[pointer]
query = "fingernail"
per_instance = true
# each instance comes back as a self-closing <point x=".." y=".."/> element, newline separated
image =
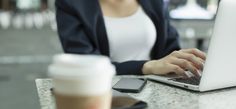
<point x="203" y="63"/>
<point x="189" y="74"/>
<point x="199" y="73"/>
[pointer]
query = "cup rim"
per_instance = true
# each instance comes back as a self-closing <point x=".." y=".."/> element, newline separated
<point x="72" y="65"/>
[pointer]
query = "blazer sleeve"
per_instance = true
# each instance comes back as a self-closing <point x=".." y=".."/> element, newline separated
<point x="74" y="39"/>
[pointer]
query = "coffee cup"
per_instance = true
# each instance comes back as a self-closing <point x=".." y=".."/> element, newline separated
<point x="82" y="81"/>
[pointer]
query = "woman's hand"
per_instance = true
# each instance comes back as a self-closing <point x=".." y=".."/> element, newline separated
<point x="177" y="62"/>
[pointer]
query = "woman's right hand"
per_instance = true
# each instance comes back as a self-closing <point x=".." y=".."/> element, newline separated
<point x="177" y="62"/>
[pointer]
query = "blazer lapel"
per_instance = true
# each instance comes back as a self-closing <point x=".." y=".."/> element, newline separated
<point x="90" y="13"/>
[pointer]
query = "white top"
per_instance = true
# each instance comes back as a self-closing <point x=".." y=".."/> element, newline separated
<point x="130" y="38"/>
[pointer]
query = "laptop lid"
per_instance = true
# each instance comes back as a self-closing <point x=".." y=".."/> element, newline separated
<point x="220" y="67"/>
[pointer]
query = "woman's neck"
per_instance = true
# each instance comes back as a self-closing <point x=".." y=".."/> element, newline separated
<point x="119" y="3"/>
<point x="118" y="8"/>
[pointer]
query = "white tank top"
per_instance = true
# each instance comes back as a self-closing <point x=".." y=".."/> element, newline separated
<point x="130" y="38"/>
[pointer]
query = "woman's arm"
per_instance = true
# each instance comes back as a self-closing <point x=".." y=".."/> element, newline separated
<point x="129" y="67"/>
<point x="177" y="62"/>
<point x="174" y="60"/>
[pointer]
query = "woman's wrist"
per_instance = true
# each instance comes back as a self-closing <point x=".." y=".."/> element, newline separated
<point x="147" y="68"/>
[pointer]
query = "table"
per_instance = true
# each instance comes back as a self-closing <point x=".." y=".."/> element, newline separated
<point x="159" y="96"/>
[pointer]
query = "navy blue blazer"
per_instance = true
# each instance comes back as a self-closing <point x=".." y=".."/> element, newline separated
<point x="82" y="30"/>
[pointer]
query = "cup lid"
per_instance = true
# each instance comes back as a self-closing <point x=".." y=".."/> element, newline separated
<point x="69" y="65"/>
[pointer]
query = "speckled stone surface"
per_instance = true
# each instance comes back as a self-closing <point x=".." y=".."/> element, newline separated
<point x="159" y="96"/>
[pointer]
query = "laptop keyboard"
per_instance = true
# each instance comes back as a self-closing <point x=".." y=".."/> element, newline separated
<point x="192" y="80"/>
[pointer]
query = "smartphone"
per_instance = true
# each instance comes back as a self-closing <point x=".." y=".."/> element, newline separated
<point x="130" y="85"/>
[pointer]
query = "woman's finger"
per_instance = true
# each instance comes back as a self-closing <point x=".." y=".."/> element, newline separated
<point x="196" y="61"/>
<point x="186" y="65"/>
<point x="176" y="69"/>
<point x="195" y="52"/>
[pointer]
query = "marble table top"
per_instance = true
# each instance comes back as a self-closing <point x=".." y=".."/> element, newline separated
<point x="159" y="96"/>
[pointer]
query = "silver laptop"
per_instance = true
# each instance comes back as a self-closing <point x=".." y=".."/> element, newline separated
<point x="220" y="66"/>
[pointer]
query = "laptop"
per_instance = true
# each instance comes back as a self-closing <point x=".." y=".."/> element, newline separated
<point x="220" y="65"/>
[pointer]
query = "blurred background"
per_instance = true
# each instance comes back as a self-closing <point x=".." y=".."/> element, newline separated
<point x="28" y="40"/>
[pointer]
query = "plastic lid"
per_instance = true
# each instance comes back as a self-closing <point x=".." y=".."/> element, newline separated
<point x="72" y="65"/>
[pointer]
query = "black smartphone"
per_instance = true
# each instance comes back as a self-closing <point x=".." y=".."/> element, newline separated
<point x="130" y="85"/>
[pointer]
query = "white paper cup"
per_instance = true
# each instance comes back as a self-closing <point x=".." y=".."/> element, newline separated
<point x="78" y="77"/>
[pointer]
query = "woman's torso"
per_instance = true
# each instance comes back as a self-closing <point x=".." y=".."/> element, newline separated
<point x="131" y="33"/>
<point x="131" y="37"/>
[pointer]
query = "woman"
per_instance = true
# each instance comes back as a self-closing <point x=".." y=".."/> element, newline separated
<point x="135" y="34"/>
